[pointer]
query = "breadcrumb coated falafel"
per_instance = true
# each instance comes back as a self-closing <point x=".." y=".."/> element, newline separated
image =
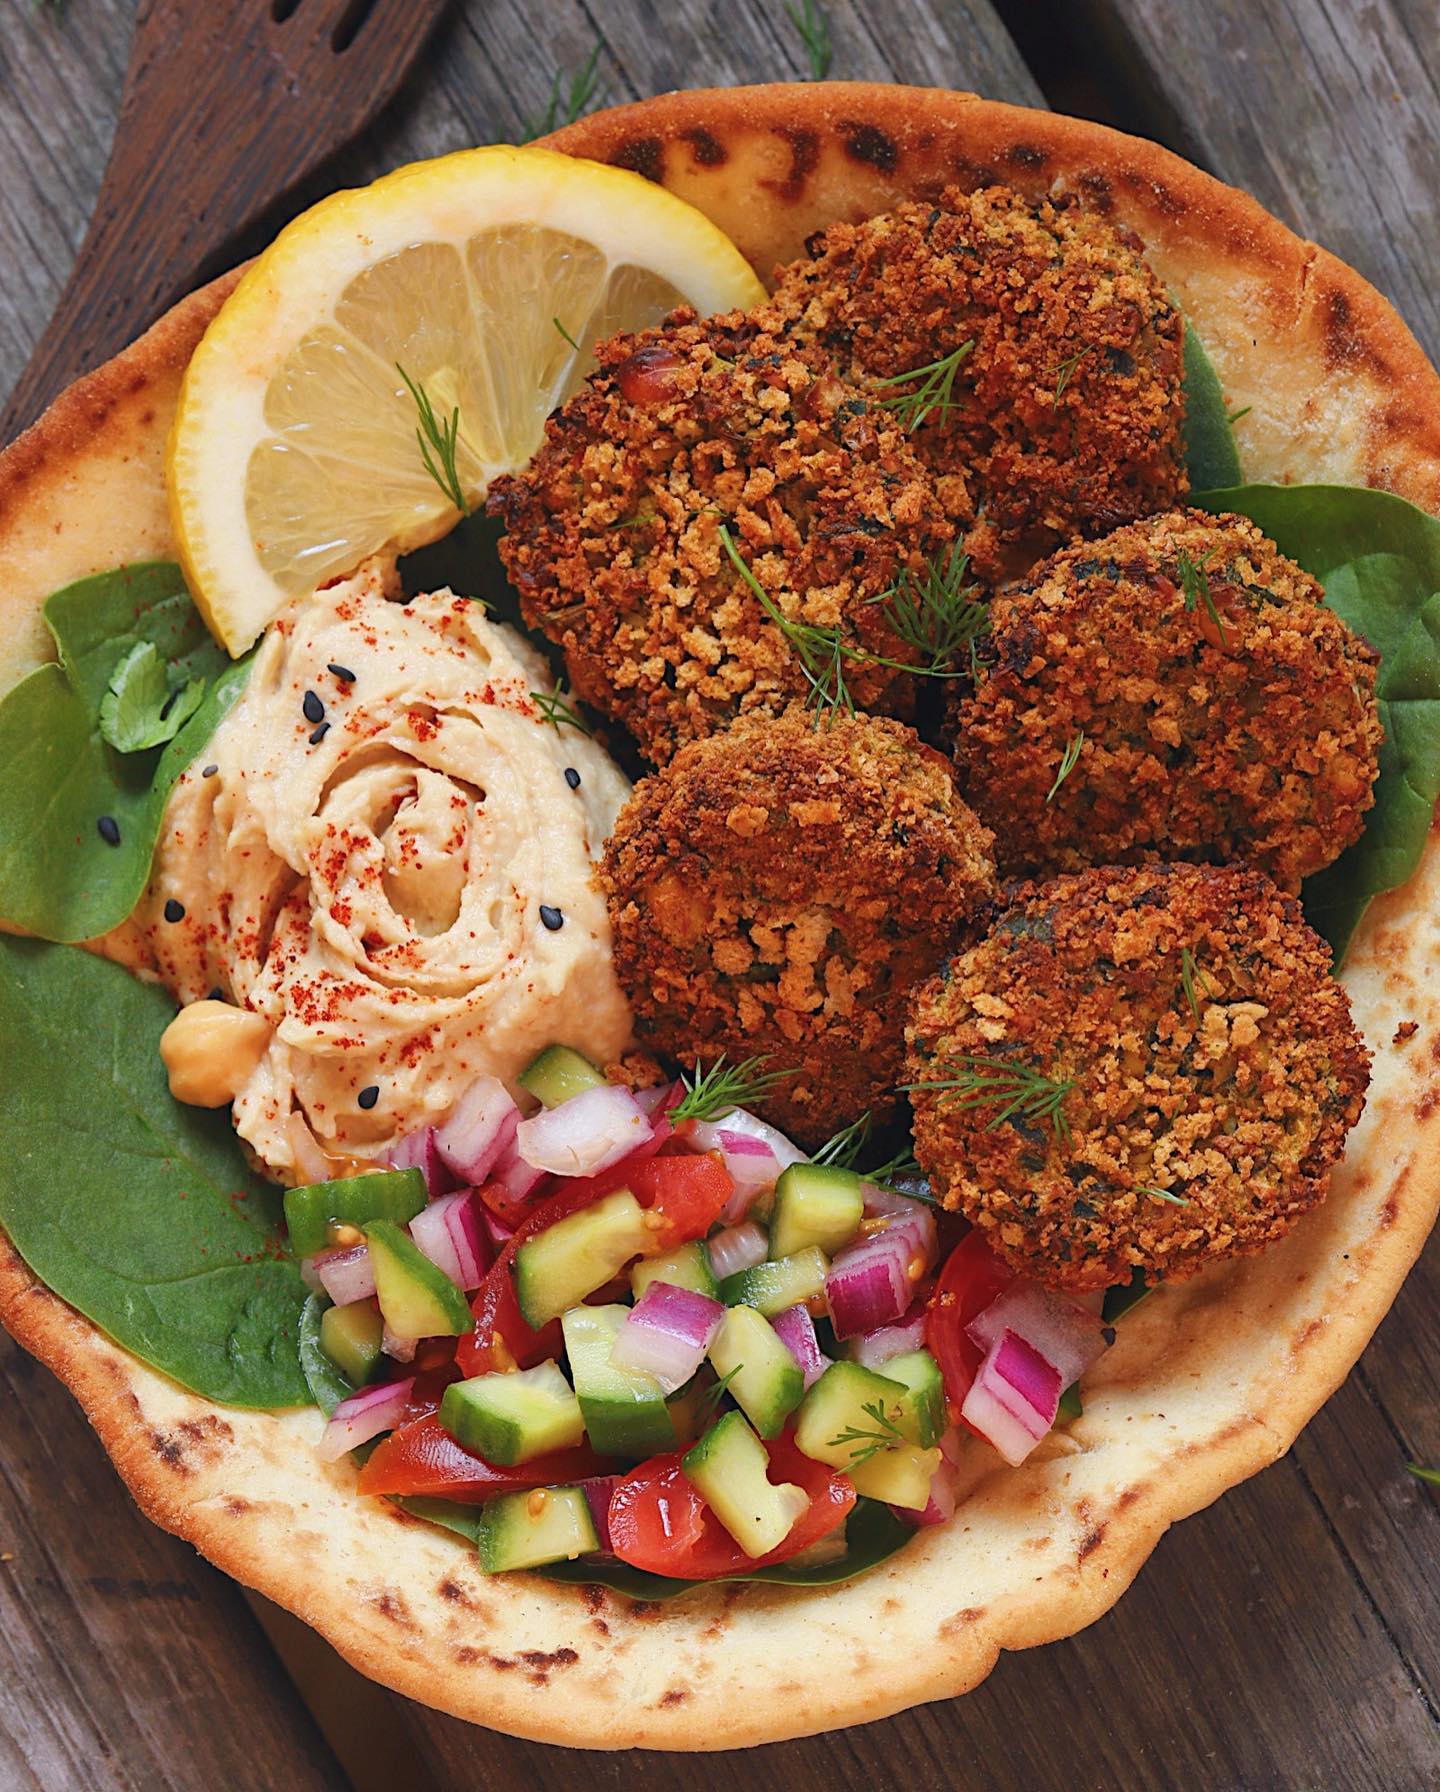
<point x="1199" y="1065"/>
<point x="780" y="888"/>
<point x="1222" y="710"/>
<point x="613" y="532"/>
<point x="1066" y="413"/>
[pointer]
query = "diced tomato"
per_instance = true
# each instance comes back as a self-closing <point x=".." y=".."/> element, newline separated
<point x="511" y="1210"/>
<point x="659" y="1521"/>
<point x="621" y="1175"/>
<point x="972" y="1277"/>
<point x="689" y="1192"/>
<point x="422" y="1458"/>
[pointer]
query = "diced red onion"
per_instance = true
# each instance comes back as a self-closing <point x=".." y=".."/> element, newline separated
<point x="654" y="1101"/>
<point x="347" y="1276"/>
<point x="869" y="1284"/>
<point x="584" y="1135"/>
<point x="362" y="1416"/>
<point x="742" y="1144"/>
<point x="402" y="1349"/>
<point x="1056" y="1327"/>
<point x="1014" y="1397"/>
<point x="480" y="1127"/>
<point x="309" y="1275"/>
<point x="753" y="1152"/>
<point x="888" y="1201"/>
<point x="421" y="1151"/>
<point x="451" y="1236"/>
<point x="667" y="1333"/>
<point x="944" y="1488"/>
<point x="518" y="1178"/>
<point x="891" y="1340"/>
<point x="598" y="1491"/>
<point x="498" y="1233"/>
<point x="796" y="1331"/>
<point x="739" y="1247"/>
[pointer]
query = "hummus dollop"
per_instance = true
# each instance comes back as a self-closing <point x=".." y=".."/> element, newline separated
<point x="386" y="851"/>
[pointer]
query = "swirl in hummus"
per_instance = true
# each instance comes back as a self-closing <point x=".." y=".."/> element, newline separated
<point x="386" y="853"/>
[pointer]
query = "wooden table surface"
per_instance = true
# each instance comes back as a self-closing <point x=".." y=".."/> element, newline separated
<point x="1288" y="1638"/>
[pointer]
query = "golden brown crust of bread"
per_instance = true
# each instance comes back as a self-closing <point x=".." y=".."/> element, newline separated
<point x="1208" y="1383"/>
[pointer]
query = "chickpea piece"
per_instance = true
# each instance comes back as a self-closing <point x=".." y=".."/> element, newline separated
<point x="210" y="1051"/>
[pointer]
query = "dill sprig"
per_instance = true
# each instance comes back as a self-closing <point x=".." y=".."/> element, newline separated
<point x="1195" y="584"/>
<point x="566" y="103"/>
<point x="1069" y="759"/>
<point x="557" y="711"/>
<point x="710" y="1399"/>
<point x="1187" y="981"/>
<point x="1066" y="369"/>
<point x="1013" y="1089"/>
<point x="814" y="28"/>
<point x="712" y="1092"/>
<point x="842" y="1149"/>
<point x="1156" y="1193"/>
<point x="1244" y="411"/>
<point x="869" y="1442"/>
<point x="822" y="651"/>
<point x="438" y="442"/>
<point x="1421" y="1473"/>
<point x="566" y="334"/>
<point x="937" y="613"/>
<point x="935" y="393"/>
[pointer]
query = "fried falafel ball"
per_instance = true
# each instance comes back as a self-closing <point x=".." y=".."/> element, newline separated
<point x="1066" y="410"/>
<point x="1198" y="696"/>
<point x="779" y="889"/>
<point x="613" y="533"/>
<point x="1136" y="1068"/>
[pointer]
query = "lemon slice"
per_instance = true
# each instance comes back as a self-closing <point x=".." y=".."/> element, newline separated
<point x="294" y="455"/>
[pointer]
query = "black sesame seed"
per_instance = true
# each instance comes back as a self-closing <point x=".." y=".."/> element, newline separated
<point x="552" y="917"/>
<point x="209" y="771"/>
<point x="109" y="830"/>
<point x="313" y="707"/>
<point x="174" y="911"/>
<point x="572" y="777"/>
<point x="369" y="1096"/>
<point x="343" y="673"/>
<point x="319" y="734"/>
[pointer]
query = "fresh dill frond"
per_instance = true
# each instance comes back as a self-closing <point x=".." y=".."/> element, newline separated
<point x="843" y="1148"/>
<point x="1187" y="981"/>
<point x="1244" y="411"/>
<point x="713" y="1092"/>
<point x="1069" y="759"/>
<point x="937" y="613"/>
<point x="438" y="442"/>
<point x="1156" y="1193"/>
<point x="566" y="334"/>
<point x="1195" y="584"/>
<point x="810" y="21"/>
<point x="1066" y="369"/>
<point x="1013" y="1089"/>
<point x="710" y="1399"/>
<point x="571" y="93"/>
<point x="1421" y="1473"/>
<point x="557" y="711"/>
<point x="935" y="393"/>
<point x="822" y="652"/>
<point x="869" y="1442"/>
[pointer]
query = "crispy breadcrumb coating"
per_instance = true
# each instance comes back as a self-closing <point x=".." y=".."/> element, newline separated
<point x="1067" y="411"/>
<point x="1206" y="1064"/>
<point x="1222" y="710"/>
<point x="613" y="531"/>
<point x="780" y="888"/>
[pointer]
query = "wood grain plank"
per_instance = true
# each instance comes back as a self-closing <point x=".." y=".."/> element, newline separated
<point x="125" y="1662"/>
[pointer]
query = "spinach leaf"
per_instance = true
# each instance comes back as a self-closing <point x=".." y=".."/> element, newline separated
<point x="59" y="877"/>
<point x="141" y="709"/>
<point x="135" y="1209"/>
<point x="872" y="1532"/>
<point x="328" y="1387"/>
<point x="1378" y="558"/>
<point x="1211" y="457"/>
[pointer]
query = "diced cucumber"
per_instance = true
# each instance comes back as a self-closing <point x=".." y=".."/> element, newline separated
<point x="624" y="1409"/>
<point x="510" y="1418"/>
<point x="815" y="1204"/>
<point x="689" y="1267"/>
<point x="350" y="1337"/>
<point x="759" y="1372"/>
<point x="771" y="1287"/>
<point x="526" y="1530"/>
<point x="396" y="1195"/>
<point x="558" y="1073"/>
<point x="729" y="1466"/>
<point x="868" y="1426"/>
<point x="920" y="1373"/>
<point x="558" y="1267"/>
<point x="417" y="1299"/>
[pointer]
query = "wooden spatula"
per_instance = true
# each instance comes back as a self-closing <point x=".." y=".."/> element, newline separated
<point x="227" y="106"/>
